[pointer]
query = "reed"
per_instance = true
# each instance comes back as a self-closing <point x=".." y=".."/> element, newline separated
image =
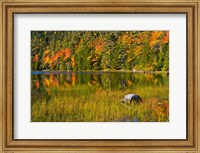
<point x="94" y="104"/>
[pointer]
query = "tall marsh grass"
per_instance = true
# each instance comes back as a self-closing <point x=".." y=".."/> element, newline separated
<point x="90" y="103"/>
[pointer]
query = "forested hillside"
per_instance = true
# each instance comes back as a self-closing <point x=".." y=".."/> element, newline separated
<point x="100" y="50"/>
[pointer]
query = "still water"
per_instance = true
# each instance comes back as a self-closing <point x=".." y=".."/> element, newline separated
<point x="91" y="96"/>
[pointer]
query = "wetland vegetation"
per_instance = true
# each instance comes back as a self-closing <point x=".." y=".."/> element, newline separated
<point x="96" y="97"/>
<point x="81" y="76"/>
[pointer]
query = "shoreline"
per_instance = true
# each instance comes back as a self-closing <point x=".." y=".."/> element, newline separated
<point x="99" y="71"/>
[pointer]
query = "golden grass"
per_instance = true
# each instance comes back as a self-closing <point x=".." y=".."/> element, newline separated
<point x="92" y="104"/>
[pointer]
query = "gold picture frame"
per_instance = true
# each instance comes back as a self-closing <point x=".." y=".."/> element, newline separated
<point x="11" y="7"/>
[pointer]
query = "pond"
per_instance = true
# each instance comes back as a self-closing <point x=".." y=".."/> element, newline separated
<point x="96" y="97"/>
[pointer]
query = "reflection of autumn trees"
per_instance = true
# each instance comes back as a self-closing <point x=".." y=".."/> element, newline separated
<point x="48" y="84"/>
<point x="100" y="50"/>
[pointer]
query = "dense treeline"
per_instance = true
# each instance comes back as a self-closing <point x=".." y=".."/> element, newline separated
<point x="100" y="50"/>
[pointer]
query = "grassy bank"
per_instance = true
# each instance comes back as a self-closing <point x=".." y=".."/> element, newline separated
<point x="83" y="103"/>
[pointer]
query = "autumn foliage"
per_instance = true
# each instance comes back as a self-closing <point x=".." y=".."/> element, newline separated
<point x="100" y="50"/>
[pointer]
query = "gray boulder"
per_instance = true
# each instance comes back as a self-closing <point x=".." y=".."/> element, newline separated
<point x="131" y="97"/>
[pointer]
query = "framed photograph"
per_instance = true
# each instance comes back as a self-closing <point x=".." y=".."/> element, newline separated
<point x="84" y="76"/>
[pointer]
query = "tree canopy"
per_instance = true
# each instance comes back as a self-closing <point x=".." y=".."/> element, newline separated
<point x="100" y="50"/>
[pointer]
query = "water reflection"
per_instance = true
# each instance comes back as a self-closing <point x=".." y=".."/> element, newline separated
<point x="45" y="83"/>
<point x="128" y="119"/>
